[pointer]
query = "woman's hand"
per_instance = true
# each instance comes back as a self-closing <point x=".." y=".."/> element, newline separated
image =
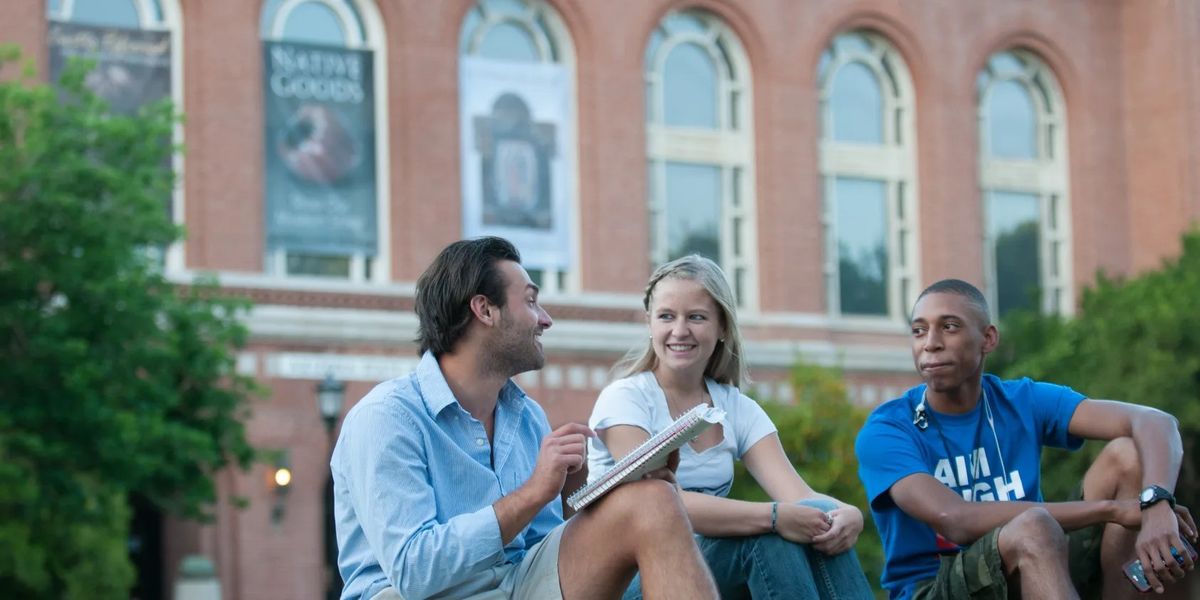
<point x="846" y="523"/>
<point x="801" y="524"/>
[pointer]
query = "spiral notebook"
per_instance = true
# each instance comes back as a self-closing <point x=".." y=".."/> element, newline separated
<point x="651" y="455"/>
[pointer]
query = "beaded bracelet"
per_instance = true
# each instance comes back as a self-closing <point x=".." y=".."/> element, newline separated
<point x="774" y="516"/>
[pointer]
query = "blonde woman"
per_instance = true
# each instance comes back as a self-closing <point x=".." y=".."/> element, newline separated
<point x="799" y="545"/>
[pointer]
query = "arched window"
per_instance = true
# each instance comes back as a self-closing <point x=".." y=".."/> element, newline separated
<point x="868" y="170"/>
<point x="136" y="47"/>
<point x="1023" y="171"/>
<point x="325" y="139"/>
<point x="517" y="116"/>
<point x="700" y="147"/>
<point x="127" y="14"/>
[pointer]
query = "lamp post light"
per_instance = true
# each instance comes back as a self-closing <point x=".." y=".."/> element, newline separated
<point x="331" y="393"/>
<point x="281" y="481"/>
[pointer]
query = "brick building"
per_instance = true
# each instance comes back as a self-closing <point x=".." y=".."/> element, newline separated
<point x="833" y="155"/>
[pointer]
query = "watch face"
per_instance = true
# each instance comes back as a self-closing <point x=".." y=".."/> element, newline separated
<point x="1147" y="494"/>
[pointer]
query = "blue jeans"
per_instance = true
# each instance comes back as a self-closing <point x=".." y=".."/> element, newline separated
<point x="768" y="566"/>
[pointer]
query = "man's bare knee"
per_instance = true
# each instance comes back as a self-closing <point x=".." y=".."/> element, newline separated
<point x="647" y="508"/>
<point x="1031" y="535"/>
<point x="645" y="504"/>
<point x="1116" y="472"/>
<point x="1120" y="458"/>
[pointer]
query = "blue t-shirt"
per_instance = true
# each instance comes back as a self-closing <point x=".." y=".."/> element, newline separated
<point x="980" y="460"/>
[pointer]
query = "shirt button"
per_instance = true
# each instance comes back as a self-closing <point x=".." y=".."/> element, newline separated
<point x="479" y="442"/>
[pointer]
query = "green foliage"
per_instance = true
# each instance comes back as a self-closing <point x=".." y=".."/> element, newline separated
<point x="817" y="433"/>
<point x="113" y="380"/>
<point x="1135" y="339"/>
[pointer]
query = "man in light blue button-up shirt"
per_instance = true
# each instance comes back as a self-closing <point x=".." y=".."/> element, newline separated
<point x="447" y="480"/>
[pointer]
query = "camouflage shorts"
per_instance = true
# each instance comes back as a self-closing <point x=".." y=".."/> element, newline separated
<point x="977" y="572"/>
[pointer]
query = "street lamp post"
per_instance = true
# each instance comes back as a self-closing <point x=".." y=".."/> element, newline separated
<point x="331" y="393"/>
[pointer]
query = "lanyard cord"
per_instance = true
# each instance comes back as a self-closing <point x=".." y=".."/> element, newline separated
<point x="974" y="475"/>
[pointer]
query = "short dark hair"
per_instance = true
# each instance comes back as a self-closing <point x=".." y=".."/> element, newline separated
<point x="959" y="287"/>
<point x="461" y="271"/>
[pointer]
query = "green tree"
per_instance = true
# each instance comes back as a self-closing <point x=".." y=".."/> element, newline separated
<point x="817" y="433"/>
<point x="1134" y="339"/>
<point x="113" y="381"/>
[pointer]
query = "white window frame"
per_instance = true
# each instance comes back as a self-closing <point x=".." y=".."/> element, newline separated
<point x="1045" y="176"/>
<point x="893" y="162"/>
<point x="555" y="46"/>
<point x="363" y="25"/>
<point x="728" y="148"/>
<point x="147" y="16"/>
<point x="167" y="18"/>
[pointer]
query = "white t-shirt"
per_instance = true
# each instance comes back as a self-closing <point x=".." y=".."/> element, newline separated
<point x="639" y="401"/>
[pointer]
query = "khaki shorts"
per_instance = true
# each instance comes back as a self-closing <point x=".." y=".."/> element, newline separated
<point x="977" y="572"/>
<point x="534" y="578"/>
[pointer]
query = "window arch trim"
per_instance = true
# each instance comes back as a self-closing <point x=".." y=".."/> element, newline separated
<point x="895" y="85"/>
<point x="1040" y="82"/>
<point x="732" y="69"/>
<point x="526" y="21"/>
<point x="353" y="26"/>
<point x="167" y="19"/>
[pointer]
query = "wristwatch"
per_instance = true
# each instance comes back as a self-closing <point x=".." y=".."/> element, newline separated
<point x="1153" y="494"/>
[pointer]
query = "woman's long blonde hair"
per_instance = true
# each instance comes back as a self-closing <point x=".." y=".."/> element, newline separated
<point x="726" y="364"/>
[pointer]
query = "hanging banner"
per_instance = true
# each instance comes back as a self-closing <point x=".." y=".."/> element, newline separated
<point x="516" y="125"/>
<point x="320" y="149"/>
<point x="133" y="67"/>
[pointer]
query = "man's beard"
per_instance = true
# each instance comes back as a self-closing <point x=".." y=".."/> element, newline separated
<point x="514" y="350"/>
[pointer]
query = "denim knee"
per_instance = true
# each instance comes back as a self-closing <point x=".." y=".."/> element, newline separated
<point x="772" y="543"/>
<point x="720" y="552"/>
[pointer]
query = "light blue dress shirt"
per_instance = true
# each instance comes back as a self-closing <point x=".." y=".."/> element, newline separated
<point x="414" y="484"/>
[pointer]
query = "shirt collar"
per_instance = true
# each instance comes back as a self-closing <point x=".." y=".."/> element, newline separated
<point x="435" y="391"/>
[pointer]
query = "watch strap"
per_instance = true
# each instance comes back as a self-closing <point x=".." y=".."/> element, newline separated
<point x="1157" y="494"/>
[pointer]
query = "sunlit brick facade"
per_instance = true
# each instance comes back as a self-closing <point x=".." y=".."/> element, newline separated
<point x="1122" y="91"/>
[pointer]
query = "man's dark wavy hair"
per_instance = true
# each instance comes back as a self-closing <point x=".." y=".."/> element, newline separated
<point x="461" y="271"/>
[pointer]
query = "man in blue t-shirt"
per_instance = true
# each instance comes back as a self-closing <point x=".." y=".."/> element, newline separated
<point x="951" y="470"/>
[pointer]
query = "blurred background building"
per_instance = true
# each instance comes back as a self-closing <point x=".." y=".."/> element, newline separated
<point x="834" y="156"/>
